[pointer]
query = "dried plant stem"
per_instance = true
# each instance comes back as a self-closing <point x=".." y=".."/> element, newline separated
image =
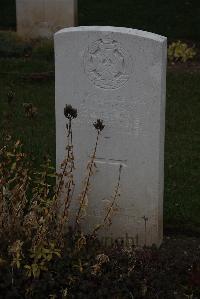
<point x="1" y="206"/>
<point x="70" y="191"/>
<point x="110" y="209"/>
<point x="69" y="138"/>
<point x="67" y="171"/>
<point x="20" y="189"/>
<point x="115" y="195"/>
<point x="70" y="156"/>
<point x="85" y="190"/>
<point x="66" y="162"/>
<point x="70" y="186"/>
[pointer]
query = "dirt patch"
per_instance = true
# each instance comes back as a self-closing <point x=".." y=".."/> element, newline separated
<point x="185" y="67"/>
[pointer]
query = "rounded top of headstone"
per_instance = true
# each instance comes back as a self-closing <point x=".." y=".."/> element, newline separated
<point x="123" y="30"/>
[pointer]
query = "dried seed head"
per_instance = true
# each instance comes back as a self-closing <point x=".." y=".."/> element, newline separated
<point x="10" y="96"/>
<point x="70" y="112"/>
<point x="30" y="110"/>
<point x="99" y="125"/>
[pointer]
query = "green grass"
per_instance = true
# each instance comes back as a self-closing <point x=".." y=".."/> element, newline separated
<point x="7" y="14"/>
<point x="172" y="18"/>
<point x="182" y="160"/>
<point x="37" y="134"/>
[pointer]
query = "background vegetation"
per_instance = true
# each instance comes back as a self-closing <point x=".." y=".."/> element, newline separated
<point x="172" y="18"/>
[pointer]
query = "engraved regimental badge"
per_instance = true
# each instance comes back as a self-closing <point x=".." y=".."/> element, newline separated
<point x="107" y="64"/>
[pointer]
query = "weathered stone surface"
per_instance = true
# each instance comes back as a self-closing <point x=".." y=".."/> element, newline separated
<point x="117" y="75"/>
<point x="42" y="18"/>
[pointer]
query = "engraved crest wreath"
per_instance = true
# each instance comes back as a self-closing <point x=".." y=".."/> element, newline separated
<point x="107" y="64"/>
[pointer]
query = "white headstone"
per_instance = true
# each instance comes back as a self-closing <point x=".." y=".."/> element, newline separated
<point x="42" y="18"/>
<point x="117" y="75"/>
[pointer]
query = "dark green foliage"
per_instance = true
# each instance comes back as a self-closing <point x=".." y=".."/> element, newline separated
<point x="182" y="148"/>
<point x="167" y="273"/>
<point x="7" y="14"/>
<point x="43" y="50"/>
<point x="41" y="95"/>
<point x="172" y="18"/>
<point x="13" y="46"/>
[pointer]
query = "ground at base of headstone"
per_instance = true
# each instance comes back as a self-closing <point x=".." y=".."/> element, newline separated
<point x="170" y="272"/>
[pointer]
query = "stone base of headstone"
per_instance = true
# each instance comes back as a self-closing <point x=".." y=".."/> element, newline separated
<point x="42" y="18"/>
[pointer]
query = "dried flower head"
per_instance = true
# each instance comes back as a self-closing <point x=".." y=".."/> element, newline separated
<point x="70" y="112"/>
<point x="101" y="260"/>
<point x="99" y="125"/>
<point x="30" y="110"/>
<point x="10" y="96"/>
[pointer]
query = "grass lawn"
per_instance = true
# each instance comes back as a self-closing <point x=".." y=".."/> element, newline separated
<point x="7" y="14"/>
<point x="182" y="160"/>
<point x="172" y="18"/>
<point x="41" y="94"/>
